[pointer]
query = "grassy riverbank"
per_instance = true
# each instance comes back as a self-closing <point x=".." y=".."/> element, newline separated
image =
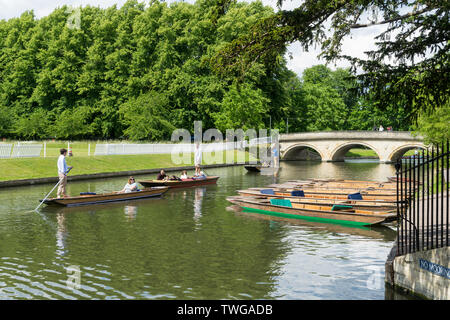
<point x="31" y="168"/>
<point x="368" y="153"/>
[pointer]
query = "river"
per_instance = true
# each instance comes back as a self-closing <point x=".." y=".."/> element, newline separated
<point x="188" y="244"/>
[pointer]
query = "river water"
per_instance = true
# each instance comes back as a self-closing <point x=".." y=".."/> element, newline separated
<point x="188" y="244"/>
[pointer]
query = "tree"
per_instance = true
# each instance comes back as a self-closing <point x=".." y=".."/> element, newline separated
<point x="243" y="107"/>
<point x="416" y="35"/>
<point x="146" y="118"/>
<point x="435" y="125"/>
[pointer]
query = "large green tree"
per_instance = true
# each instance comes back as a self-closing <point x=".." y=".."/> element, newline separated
<point x="134" y="71"/>
<point x="416" y="36"/>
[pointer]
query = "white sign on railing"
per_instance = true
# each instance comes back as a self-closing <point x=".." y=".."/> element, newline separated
<point x="26" y="150"/>
<point x="5" y="150"/>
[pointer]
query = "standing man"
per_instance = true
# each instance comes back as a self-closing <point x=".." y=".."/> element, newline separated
<point x="62" y="173"/>
<point x="197" y="155"/>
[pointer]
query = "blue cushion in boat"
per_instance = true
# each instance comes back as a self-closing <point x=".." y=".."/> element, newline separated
<point x="355" y="196"/>
<point x="298" y="193"/>
<point x="267" y="191"/>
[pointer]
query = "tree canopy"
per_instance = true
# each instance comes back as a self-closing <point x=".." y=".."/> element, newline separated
<point x="410" y="65"/>
<point x="141" y="70"/>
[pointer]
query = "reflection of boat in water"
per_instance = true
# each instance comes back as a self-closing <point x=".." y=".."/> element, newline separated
<point x="381" y="232"/>
<point x="92" y="198"/>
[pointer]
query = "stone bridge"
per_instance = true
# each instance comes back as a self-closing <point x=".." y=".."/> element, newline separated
<point x="333" y="145"/>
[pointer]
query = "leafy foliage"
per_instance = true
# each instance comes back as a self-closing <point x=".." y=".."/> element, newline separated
<point x="410" y="65"/>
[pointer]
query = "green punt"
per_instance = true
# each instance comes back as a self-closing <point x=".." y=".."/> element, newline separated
<point x="326" y="214"/>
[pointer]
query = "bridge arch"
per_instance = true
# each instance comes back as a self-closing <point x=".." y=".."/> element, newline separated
<point x="338" y="154"/>
<point x="293" y="152"/>
<point x="400" y="151"/>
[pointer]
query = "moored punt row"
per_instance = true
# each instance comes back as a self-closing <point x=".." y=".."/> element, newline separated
<point x="351" y="202"/>
<point x="333" y="189"/>
<point x="346" y="184"/>
<point x="323" y="213"/>
<point x="329" y="194"/>
<point x="360" y="204"/>
<point x="92" y="198"/>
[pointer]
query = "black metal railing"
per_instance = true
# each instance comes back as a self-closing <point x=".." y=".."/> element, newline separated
<point x="423" y="200"/>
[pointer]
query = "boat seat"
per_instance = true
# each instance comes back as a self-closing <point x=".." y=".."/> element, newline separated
<point x="267" y="191"/>
<point x="281" y="202"/>
<point x="355" y="196"/>
<point x="297" y="193"/>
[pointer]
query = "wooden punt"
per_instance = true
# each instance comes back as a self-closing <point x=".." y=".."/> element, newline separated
<point x="253" y="168"/>
<point x="185" y="183"/>
<point x="352" y="217"/>
<point x="355" y="183"/>
<point x="343" y="184"/>
<point x="360" y="204"/>
<point x="380" y="232"/>
<point x="89" y="199"/>
<point x="394" y="180"/>
<point x="334" y="194"/>
<point x="333" y="189"/>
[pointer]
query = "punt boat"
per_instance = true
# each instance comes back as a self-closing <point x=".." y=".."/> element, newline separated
<point x="360" y="204"/>
<point x="327" y="214"/>
<point x="93" y="198"/>
<point x="331" y="194"/>
<point x="253" y="168"/>
<point x="184" y="183"/>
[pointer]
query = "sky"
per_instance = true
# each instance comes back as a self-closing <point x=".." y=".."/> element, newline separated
<point x="362" y="40"/>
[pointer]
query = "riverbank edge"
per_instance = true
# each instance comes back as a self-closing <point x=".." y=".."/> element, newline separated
<point x="101" y="175"/>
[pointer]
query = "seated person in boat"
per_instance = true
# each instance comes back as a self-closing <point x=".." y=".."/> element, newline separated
<point x="184" y="175"/>
<point x="130" y="186"/>
<point x="162" y="176"/>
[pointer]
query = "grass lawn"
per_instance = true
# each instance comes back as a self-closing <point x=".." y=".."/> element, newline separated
<point x="362" y="153"/>
<point x="30" y="168"/>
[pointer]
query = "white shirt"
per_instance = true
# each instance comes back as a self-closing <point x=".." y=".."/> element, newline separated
<point x="62" y="165"/>
<point x="183" y="176"/>
<point x="130" y="187"/>
<point x="198" y="155"/>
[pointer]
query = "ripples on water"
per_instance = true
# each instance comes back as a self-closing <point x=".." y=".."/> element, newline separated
<point x="188" y="245"/>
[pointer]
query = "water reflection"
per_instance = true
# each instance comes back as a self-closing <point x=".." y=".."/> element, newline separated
<point x="198" y="199"/>
<point x="158" y="256"/>
<point x="61" y="235"/>
<point x="130" y="212"/>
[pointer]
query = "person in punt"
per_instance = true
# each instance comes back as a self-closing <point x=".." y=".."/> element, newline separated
<point x="130" y="186"/>
<point x="184" y="175"/>
<point x="162" y="175"/>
